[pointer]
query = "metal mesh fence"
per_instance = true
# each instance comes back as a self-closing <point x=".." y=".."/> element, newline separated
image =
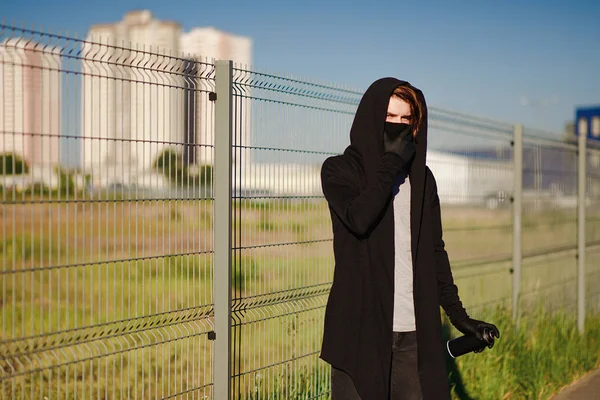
<point x="282" y="240"/>
<point x="472" y="161"/>
<point x="108" y="216"/>
<point x="592" y="234"/>
<point x="549" y="228"/>
<point x="106" y="227"/>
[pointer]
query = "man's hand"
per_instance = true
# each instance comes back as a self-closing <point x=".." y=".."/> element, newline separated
<point x="477" y="328"/>
<point x="398" y="139"/>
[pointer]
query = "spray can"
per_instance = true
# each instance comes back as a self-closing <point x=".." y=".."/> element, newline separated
<point x="469" y="342"/>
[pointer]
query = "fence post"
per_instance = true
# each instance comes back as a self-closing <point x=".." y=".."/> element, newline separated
<point x="222" y="229"/>
<point x="581" y="186"/>
<point x="517" y="213"/>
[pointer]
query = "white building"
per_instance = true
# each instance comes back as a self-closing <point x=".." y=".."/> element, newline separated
<point x="468" y="180"/>
<point x="132" y="106"/>
<point x="279" y="179"/>
<point x="208" y="45"/>
<point x="30" y="100"/>
<point x="140" y="95"/>
<point x="460" y="180"/>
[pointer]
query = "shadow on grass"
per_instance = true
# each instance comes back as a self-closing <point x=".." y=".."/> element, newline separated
<point x="454" y="378"/>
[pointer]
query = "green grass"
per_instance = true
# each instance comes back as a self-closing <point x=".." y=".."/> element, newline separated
<point x="532" y="361"/>
<point x="306" y="382"/>
<point x="29" y="248"/>
<point x="144" y="271"/>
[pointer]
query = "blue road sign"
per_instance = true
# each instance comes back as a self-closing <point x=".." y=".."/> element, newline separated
<point x="587" y="122"/>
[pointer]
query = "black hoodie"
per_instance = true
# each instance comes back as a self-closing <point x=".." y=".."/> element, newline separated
<point x="358" y="319"/>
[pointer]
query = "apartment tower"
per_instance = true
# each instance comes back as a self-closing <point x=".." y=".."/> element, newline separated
<point x="132" y="106"/>
<point x="142" y="93"/>
<point x="30" y="100"/>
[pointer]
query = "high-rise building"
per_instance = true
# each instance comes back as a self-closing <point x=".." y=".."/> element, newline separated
<point x="141" y="93"/>
<point x="30" y="100"/>
<point x="207" y="45"/>
<point x="131" y="91"/>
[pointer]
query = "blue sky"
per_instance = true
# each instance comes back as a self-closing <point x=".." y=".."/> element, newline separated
<point x="528" y="61"/>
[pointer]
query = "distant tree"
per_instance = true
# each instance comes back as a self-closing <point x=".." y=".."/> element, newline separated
<point x="66" y="182"/>
<point x="13" y="164"/>
<point x="171" y="164"/>
<point x="206" y="175"/>
<point x="168" y="159"/>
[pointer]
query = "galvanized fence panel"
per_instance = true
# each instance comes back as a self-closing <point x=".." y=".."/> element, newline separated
<point x="282" y="240"/>
<point x="471" y="159"/>
<point x="550" y="223"/>
<point x="108" y="221"/>
<point x="592" y="231"/>
<point x="106" y="225"/>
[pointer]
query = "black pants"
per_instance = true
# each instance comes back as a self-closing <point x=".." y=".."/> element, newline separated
<point x="404" y="375"/>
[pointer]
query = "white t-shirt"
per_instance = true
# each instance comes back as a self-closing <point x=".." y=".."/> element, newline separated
<point x="404" y="309"/>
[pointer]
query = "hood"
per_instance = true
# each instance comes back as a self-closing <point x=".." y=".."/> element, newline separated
<point x="366" y="134"/>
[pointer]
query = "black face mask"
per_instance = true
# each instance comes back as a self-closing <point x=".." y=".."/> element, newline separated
<point x="394" y="129"/>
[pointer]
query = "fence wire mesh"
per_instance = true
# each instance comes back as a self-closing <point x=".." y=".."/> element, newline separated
<point x="107" y="276"/>
<point x="472" y="161"/>
<point x="592" y="231"/>
<point x="283" y="265"/>
<point x="106" y="225"/>
<point x="550" y="223"/>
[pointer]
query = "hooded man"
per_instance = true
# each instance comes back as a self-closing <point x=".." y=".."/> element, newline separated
<point x="383" y="333"/>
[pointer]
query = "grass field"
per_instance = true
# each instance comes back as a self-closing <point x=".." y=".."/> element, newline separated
<point x="531" y="361"/>
<point x="114" y="299"/>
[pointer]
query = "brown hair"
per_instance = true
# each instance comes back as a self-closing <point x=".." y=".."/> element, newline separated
<point x="409" y="94"/>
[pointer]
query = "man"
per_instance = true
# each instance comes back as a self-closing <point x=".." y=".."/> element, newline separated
<point x="382" y="333"/>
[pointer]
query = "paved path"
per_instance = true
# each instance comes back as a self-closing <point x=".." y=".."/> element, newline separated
<point x="587" y="388"/>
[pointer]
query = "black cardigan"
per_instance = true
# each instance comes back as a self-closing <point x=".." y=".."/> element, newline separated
<point x="358" y="318"/>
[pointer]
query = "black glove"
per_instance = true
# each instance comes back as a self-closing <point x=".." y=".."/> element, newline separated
<point x="398" y="139"/>
<point x="481" y="330"/>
